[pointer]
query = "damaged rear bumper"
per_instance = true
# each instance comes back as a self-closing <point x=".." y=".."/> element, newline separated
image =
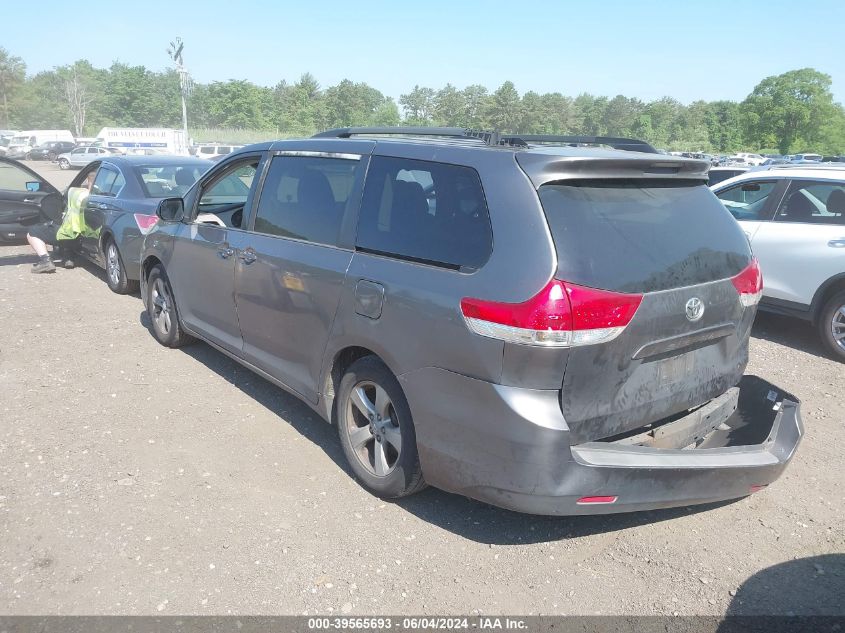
<point x="510" y="447"/>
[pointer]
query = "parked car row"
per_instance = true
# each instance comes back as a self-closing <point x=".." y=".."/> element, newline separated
<point x="584" y="355"/>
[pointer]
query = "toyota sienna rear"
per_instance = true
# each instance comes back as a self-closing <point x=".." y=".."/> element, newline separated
<point x="550" y="328"/>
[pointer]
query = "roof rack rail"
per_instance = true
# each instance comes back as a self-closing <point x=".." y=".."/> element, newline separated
<point x="347" y="132"/>
<point x="627" y="144"/>
<point x="488" y="137"/>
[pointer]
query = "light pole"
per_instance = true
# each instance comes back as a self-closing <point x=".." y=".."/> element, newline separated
<point x="175" y="53"/>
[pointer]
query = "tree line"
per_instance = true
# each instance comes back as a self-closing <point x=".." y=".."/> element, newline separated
<point x="787" y="113"/>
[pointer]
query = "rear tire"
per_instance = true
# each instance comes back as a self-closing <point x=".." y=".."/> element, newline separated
<point x="64" y="163"/>
<point x="376" y="430"/>
<point x="832" y="325"/>
<point x="161" y="308"/>
<point x="51" y="156"/>
<point x="115" y="270"/>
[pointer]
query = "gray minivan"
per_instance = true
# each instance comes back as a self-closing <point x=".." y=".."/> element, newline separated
<point x="543" y="325"/>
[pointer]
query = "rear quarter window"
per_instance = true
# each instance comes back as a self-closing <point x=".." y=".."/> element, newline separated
<point x="642" y="236"/>
<point x="433" y="213"/>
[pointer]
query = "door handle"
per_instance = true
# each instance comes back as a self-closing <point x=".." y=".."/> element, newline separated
<point x="840" y="243"/>
<point x="29" y="200"/>
<point x="248" y="256"/>
<point x="225" y="252"/>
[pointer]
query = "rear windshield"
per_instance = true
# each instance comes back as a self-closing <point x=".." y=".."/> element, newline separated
<point x="165" y="181"/>
<point x="642" y="236"/>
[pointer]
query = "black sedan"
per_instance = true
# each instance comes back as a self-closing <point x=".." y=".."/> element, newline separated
<point x="121" y="209"/>
<point x="50" y="150"/>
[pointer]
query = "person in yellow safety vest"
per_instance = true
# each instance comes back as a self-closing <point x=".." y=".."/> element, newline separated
<point x="71" y="227"/>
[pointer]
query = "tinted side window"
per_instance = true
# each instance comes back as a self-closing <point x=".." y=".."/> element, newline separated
<point x="747" y="201"/>
<point x="228" y="189"/>
<point x="425" y="211"/>
<point x="811" y="202"/>
<point x="104" y="182"/>
<point x="304" y="197"/>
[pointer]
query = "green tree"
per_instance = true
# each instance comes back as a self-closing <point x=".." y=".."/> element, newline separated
<point x="559" y="114"/>
<point x="419" y="106"/>
<point x="505" y="108"/>
<point x="12" y="75"/>
<point x="387" y="114"/>
<point x="665" y="115"/>
<point x="620" y="115"/>
<point x="724" y="126"/>
<point x="589" y="114"/>
<point x="476" y="103"/>
<point x="791" y="108"/>
<point x="450" y="107"/>
<point x="350" y="104"/>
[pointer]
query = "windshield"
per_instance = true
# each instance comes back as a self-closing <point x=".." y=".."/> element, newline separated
<point x="165" y="181"/>
<point x="642" y="236"/>
<point x="19" y="140"/>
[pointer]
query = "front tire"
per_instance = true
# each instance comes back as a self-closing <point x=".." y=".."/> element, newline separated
<point x="161" y="308"/>
<point x="376" y="430"/>
<point x="64" y="163"/>
<point x="832" y="325"/>
<point x="116" y="272"/>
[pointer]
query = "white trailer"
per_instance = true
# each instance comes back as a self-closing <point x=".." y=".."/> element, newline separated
<point x="136" y="140"/>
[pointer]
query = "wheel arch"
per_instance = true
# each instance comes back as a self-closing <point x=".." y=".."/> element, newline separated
<point x="341" y="360"/>
<point x="826" y="291"/>
<point x="147" y="265"/>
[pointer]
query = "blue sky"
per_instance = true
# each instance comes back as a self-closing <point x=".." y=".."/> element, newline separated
<point x="647" y="49"/>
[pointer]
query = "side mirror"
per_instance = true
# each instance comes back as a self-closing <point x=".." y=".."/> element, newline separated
<point x="171" y="210"/>
<point x="33" y="186"/>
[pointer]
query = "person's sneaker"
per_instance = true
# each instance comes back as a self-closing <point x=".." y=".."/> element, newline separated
<point x="44" y="266"/>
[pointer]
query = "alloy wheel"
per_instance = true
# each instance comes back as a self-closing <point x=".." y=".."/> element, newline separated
<point x="837" y="326"/>
<point x="373" y="428"/>
<point x="162" y="306"/>
<point x="113" y="263"/>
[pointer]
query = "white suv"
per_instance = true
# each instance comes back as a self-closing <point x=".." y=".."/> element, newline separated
<point x="794" y="216"/>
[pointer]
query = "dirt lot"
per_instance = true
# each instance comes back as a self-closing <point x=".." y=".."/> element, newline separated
<point x="140" y="480"/>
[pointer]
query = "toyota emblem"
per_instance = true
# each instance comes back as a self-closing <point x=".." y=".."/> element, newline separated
<point x="694" y="309"/>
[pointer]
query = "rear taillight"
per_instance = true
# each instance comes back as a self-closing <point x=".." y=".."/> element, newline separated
<point x="145" y="222"/>
<point x="749" y="284"/>
<point x="560" y="315"/>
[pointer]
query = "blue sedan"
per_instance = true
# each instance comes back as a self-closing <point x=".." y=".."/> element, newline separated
<point x="121" y="209"/>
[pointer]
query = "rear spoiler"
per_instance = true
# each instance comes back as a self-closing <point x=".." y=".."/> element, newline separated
<point x="542" y="168"/>
<point x="627" y="144"/>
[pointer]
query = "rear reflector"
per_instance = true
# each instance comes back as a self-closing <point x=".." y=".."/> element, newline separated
<point x="145" y="222"/>
<point x="596" y="500"/>
<point x="560" y="315"/>
<point x="749" y="284"/>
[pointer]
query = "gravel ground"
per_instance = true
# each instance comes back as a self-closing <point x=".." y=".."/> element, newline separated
<point x="140" y="480"/>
